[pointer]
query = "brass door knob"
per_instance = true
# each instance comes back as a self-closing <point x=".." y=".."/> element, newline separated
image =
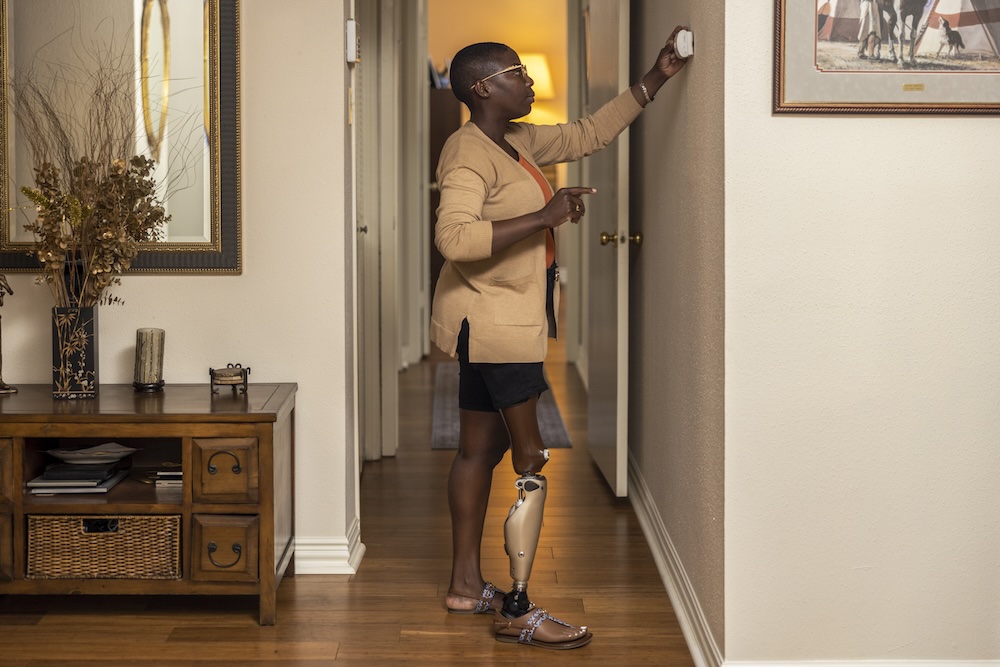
<point x="636" y="238"/>
<point x="608" y="238"/>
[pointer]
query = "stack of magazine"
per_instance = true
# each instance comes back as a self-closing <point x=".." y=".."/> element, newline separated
<point x="92" y="470"/>
<point x="168" y="479"/>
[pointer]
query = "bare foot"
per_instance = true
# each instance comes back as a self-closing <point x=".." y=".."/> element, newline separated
<point x="490" y="600"/>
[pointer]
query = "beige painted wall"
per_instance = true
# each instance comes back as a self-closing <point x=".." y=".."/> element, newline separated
<point x="676" y="414"/>
<point x="862" y="376"/>
<point x="285" y="316"/>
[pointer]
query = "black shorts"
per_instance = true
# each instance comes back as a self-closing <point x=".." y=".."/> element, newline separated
<point x="493" y="387"/>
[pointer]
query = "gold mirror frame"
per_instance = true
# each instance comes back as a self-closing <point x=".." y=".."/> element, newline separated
<point x="155" y="136"/>
<point x="222" y="254"/>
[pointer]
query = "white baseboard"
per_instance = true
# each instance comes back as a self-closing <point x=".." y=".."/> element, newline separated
<point x="693" y="623"/>
<point x="330" y="555"/>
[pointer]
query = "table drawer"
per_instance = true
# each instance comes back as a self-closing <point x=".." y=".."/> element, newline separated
<point x="224" y="547"/>
<point x="224" y="470"/>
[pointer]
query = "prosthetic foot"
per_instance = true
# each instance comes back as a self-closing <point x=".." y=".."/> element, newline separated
<point x="520" y="621"/>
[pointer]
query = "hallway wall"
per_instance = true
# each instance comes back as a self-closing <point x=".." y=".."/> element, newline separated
<point x="842" y="505"/>
<point x="862" y="377"/>
<point x="677" y="296"/>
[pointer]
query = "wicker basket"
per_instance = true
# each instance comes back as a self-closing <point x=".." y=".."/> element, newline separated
<point x="104" y="547"/>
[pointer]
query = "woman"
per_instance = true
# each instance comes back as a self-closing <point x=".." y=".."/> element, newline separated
<point x="497" y="296"/>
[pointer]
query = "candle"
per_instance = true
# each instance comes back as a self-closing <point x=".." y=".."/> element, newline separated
<point x="149" y="359"/>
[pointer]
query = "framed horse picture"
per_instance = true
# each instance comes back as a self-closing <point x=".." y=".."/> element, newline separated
<point x="887" y="56"/>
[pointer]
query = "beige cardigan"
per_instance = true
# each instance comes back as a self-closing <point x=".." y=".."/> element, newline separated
<point x="503" y="295"/>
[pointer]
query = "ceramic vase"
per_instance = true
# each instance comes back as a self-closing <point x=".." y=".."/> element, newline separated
<point x="74" y="352"/>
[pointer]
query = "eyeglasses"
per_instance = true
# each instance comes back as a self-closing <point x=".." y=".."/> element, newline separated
<point x="512" y="68"/>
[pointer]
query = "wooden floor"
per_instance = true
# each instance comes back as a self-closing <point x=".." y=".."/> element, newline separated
<point x="593" y="567"/>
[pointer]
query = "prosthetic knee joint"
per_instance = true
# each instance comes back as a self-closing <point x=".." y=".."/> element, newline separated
<point x="521" y="531"/>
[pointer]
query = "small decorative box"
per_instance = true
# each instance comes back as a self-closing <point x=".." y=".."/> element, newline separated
<point x="233" y="375"/>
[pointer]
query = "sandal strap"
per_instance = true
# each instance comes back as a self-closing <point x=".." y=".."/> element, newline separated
<point x="486" y="598"/>
<point x="536" y="619"/>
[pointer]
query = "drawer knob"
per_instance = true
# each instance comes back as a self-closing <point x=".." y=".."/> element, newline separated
<point x="213" y="547"/>
<point x="212" y="469"/>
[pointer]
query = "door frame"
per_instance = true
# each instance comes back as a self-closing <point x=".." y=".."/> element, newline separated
<point x="414" y="189"/>
<point x="572" y="253"/>
<point x="378" y="100"/>
<point x="392" y="194"/>
<point x="364" y="95"/>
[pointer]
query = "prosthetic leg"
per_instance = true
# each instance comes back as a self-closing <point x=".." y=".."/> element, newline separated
<point x="521" y="622"/>
<point x="520" y="534"/>
<point x="524" y="520"/>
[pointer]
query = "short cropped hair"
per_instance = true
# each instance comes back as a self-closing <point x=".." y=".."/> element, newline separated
<point x="473" y="63"/>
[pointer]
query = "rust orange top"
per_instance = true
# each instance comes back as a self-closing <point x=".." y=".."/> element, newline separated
<point x="550" y="239"/>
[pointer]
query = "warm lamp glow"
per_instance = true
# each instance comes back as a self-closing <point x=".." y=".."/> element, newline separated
<point x="538" y="70"/>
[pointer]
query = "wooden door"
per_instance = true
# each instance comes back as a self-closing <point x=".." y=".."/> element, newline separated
<point x="606" y="245"/>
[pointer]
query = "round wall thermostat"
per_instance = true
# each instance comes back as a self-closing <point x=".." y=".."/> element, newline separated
<point x="684" y="44"/>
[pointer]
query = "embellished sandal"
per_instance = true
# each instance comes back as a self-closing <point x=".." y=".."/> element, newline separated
<point x="485" y="603"/>
<point x="537" y="628"/>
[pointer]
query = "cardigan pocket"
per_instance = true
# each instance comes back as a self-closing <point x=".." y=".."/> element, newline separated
<point x="517" y="301"/>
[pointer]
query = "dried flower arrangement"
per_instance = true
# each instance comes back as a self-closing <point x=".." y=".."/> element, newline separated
<point x="96" y="200"/>
<point x="93" y="221"/>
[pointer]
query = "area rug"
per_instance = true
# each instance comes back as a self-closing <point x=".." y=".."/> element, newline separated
<point x="444" y="428"/>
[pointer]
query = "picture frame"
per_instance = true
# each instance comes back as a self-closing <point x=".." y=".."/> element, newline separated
<point x="219" y="249"/>
<point x="822" y="66"/>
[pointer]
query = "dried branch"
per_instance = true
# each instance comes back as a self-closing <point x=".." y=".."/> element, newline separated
<point x="96" y="200"/>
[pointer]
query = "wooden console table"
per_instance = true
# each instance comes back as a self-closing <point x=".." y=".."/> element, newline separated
<point x="228" y="529"/>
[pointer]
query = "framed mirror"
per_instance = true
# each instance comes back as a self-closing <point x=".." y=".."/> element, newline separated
<point x="179" y="60"/>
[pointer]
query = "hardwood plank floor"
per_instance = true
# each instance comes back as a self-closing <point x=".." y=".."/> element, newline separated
<point x="593" y="567"/>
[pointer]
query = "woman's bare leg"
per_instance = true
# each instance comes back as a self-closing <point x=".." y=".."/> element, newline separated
<point x="482" y="442"/>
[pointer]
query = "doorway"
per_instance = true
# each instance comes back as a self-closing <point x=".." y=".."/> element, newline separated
<point x="401" y="41"/>
<point x="553" y="33"/>
<point x="395" y="284"/>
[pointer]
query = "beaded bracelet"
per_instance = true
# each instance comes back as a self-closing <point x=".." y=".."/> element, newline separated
<point x="645" y="93"/>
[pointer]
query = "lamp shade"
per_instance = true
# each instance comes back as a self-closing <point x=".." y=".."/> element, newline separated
<point x="538" y="70"/>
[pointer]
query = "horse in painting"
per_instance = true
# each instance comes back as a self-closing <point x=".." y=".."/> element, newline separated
<point x="896" y="13"/>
